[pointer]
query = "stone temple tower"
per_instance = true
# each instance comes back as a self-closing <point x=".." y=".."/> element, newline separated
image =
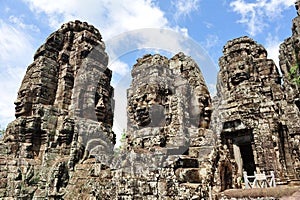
<point x="251" y="111"/>
<point x="64" y="110"/>
<point x="289" y="59"/>
<point x="169" y="110"/>
<point x="254" y="116"/>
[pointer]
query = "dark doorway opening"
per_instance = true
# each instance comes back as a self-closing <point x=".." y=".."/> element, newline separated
<point x="297" y="102"/>
<point x="239" y="141"/>
<point x="248" y="158"/>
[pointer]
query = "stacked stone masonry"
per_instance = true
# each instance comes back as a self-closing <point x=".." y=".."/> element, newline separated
<point x="180" y="143"/>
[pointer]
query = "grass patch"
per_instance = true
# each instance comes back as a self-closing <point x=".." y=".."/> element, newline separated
<point x="277" y="192"/>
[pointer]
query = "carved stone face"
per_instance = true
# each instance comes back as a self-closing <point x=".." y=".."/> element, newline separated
<point x="239" y="72"/>
<point x="29" y="95"/>
<point x="24" y="101"/>
<point x="145" y="106"/>
<point x="141" y="109"/>
<point x="103" y="105"/>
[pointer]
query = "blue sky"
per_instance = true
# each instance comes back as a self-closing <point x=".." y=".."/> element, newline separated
<point x="25" y="24"/>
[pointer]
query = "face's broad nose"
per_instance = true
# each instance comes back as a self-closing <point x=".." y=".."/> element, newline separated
<point x="17" y="102"/>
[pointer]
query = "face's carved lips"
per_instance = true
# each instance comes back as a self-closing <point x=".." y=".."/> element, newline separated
<point x="19" y="108"/>
<point x="100" y="109"/>
<point x="239" y="77"/>
<point x="100" y="113"/>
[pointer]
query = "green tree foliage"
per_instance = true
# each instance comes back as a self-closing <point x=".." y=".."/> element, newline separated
<point x="123" y="135"/>
<point x="294" y="74"/>
<point x="294" y="71"/>
<point x="122" y="140"/>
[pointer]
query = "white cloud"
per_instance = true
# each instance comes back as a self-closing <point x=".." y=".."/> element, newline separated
<point x="16" y="53"/>
<point x="211" y="41"/>
<point x="153" y="39"/>
<point x="208" y="25"/>
<point x="14" y="43"/>
<point x="169" y="40"/>
<point x="120" y="116"/>
<point x="111" y="16"/>
<point x="184" y="7"/>
<point x="18" y="21"/>
<point x="119" y="67"/>
<point x="9" y="85"/>
<point x="272" y="46"/>
<point x="275" y="7"/>
<point x="182" y="31"/>
<point x="255" y="15"/>
<point x="212" y="89"/>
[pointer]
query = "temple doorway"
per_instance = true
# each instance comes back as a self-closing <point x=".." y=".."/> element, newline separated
<point x="240" y="143"/>
<point x="243" y="152"/>
<point x="248" y="158"/>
